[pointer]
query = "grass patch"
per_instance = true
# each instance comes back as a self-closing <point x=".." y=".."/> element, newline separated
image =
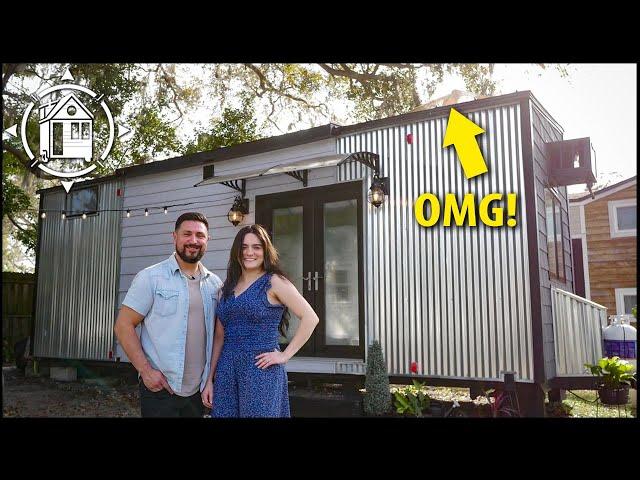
<point x="586" y="407"/>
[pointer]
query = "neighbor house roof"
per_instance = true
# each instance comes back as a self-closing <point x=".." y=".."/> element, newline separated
<point x="584" y="198"/>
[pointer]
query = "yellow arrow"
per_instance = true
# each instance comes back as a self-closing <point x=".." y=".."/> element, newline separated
<point x="461" y="133"/>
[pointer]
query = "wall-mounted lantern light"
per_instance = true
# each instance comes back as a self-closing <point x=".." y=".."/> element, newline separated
<point x="378" y="190"/>
<point x="239" y="209"/>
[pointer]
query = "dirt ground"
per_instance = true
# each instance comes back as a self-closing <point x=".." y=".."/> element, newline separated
<point x="42" y="397"/>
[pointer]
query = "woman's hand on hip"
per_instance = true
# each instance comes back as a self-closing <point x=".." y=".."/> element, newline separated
<point x="267" y="359"/>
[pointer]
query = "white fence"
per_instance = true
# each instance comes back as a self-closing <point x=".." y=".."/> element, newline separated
<point x="577" y="332"/>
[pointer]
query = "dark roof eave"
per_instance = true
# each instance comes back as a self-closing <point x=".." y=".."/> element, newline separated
<point x="605" y="189"/>
<point x="76" y="185"/>
<point x="314" y="134"/>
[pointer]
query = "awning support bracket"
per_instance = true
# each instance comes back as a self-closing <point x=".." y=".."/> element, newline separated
<point x="368" y="159"/>
<point x="301" y="175"/>
<point x="239" y="185"/>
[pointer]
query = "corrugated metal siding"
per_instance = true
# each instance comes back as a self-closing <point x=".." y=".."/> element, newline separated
<point x="577" y="327"/>
<point x="77" y="279"/>
<point x="455" y="299"/>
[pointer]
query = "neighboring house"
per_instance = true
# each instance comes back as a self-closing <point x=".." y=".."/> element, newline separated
<point x="66" y="127"/>
<point x="604" y="238"/>
<point x="467" y="303"/>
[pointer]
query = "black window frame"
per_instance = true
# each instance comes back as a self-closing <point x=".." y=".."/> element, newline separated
<point x="69" y="199"/>
<point x="558" y="274"/>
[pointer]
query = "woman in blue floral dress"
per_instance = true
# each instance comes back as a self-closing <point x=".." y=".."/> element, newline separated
<point x="247" y="376"/>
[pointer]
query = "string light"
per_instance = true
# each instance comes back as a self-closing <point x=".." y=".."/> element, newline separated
<point x="84" y="215"/>
<point x="63" y="213"/>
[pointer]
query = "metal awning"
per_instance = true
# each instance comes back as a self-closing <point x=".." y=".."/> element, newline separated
<point x="298" y="169"/>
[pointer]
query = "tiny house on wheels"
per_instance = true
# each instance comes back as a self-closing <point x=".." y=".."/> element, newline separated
<point x="468" y="303"/>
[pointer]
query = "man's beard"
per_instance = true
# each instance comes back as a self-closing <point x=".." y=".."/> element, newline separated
<point x="185" y="257"/>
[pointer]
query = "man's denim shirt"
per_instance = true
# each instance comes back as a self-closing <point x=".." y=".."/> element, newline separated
<point x="160" y="293"/>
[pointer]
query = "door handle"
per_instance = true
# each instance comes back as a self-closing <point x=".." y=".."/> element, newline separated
<point x="308" y="279"/>
<point x="316" y="277"/>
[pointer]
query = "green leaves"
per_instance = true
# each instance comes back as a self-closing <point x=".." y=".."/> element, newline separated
<point x="236" y="126"/>
<point x="612" y="372"/>
<point x="412" y="399"/>
<point x="377" y="399"/>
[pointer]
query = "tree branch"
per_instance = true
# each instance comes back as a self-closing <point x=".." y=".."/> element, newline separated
<point x="268" y="86"/>
<point x="349" y="73"/>
<point x="26" y="163"/>
<point x="12" y="68"/>
<point x="172" y="86"/>
<point x="15" y="224"/>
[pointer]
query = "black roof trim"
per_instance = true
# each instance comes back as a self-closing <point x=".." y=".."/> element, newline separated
<point x="79" y="185"/>
<point x="249" y="148"/>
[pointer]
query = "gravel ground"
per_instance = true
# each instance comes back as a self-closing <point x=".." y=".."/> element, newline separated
<point x="42" y="397"/>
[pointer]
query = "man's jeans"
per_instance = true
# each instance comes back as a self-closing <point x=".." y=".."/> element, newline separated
<point x="163" y="404"/>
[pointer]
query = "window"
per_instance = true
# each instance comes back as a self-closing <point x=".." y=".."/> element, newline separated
<point x="75" y="130"/>
<point x="86" y="130"/>
<point x="57" y="138"/>
<point x="555" y="239"/>
<point x="626" y="299"/>
<point x="207" y="172"/>
<point x="622" y="218"/>
<point x="85" y="200"/>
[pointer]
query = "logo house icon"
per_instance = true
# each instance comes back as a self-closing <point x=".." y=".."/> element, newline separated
<point x="66" y="130"/>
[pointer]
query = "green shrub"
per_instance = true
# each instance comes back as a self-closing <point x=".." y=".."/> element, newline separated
<point x="377" y="399"/>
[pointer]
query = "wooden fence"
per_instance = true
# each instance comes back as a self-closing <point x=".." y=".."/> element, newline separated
<point x="18" y="290"/>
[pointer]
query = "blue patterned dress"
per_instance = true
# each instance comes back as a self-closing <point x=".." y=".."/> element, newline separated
<point x="241" y="389"/>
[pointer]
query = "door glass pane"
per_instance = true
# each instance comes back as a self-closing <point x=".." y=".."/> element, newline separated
<point x="287" y="238"/>
<point x="341" y="273"/>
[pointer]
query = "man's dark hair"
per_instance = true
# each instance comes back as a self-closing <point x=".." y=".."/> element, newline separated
<point x="198" y="217"/>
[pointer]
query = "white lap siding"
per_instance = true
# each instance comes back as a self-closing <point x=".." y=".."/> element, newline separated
<point x="148" y="240"/>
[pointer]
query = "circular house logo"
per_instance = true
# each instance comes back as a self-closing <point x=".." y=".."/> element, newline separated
<point x="66" y="122"/>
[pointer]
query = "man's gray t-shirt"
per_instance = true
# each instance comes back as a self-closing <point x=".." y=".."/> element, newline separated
<point x="195" y="347"/>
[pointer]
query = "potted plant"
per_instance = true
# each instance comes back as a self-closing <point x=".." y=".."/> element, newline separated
<point x="614" y="376"/>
